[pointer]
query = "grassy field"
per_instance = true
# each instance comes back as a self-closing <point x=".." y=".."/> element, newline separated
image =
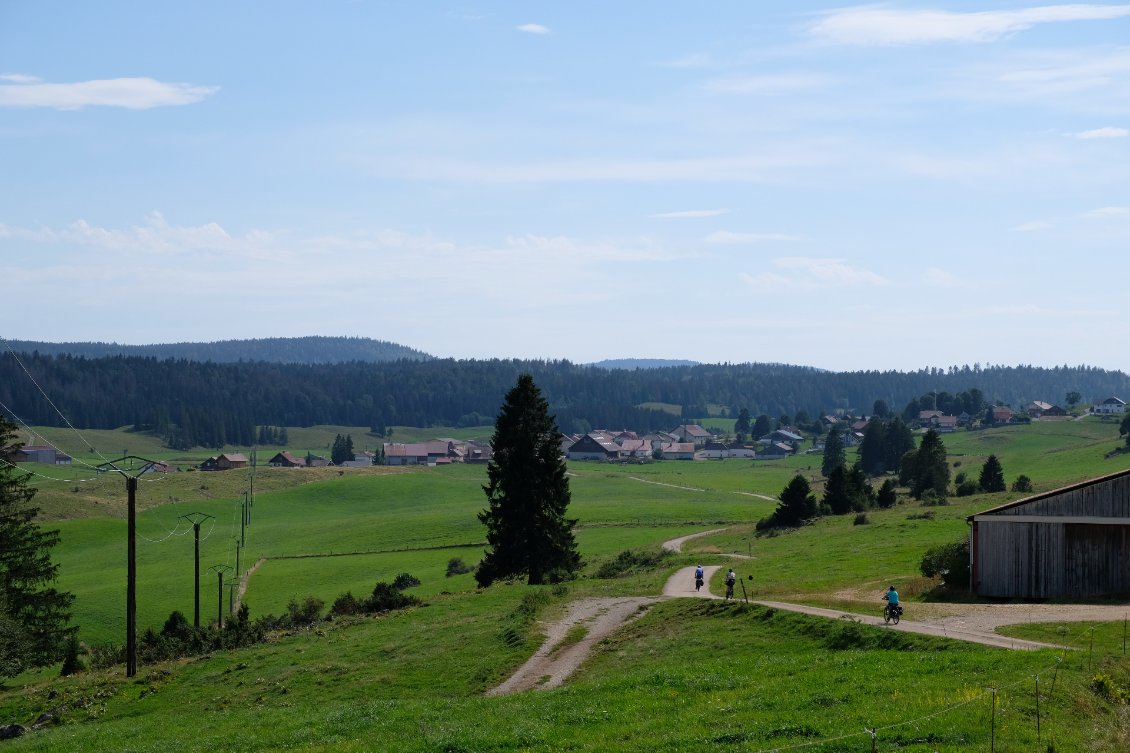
<point x="687" y="676"/>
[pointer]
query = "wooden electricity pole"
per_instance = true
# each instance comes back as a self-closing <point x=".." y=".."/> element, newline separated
<point x="131" y="551"/>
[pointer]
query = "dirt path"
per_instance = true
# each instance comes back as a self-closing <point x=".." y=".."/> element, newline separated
<point x="556" y="660"/>
<point x="245" y="581"/>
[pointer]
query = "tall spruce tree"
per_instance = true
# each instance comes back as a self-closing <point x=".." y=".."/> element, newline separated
<point x="33" y="614"/>
<point x="833" y="452"/>
<point x="795" y="505"/>
<point x="992" y="476"/>
<point x="527" y="494"/>
<point x="871" y="455"/>
<point x="931" y="469"/>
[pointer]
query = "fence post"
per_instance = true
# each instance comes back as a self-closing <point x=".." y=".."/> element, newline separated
<point x="993" y="725"/>
<point x="1037" y="709"/>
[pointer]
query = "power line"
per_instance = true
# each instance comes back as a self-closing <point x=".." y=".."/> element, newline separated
<point x="66" y="420"/>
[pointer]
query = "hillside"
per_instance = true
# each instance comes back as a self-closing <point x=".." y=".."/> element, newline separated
<point x="294" y="350"/>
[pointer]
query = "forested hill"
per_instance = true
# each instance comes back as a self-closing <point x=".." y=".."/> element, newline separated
<point x="212" y="404"/>
<point x="270" y="349"/>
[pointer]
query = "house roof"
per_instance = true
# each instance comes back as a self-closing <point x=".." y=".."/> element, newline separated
<point x="233" y="457"/>
<point x="1113" y="401"/>
<point x="693" y="430"/>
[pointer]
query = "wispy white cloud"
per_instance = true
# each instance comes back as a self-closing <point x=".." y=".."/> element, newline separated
<point x="1108" y="213"/>
<point x="726" y="237"/>
<point x="1070" y="74"/>
<point x="806" y="273"/>
<point x="130" y="93"/>
<point x="1109" y="132"/>
<point x="534" y="29"/>
<point x="870" y="25"/>
<point x="769" y="83"/>
<point x="690" y="213"/>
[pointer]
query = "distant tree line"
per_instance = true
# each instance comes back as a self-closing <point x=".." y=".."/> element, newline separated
<point x="209" y="404"/>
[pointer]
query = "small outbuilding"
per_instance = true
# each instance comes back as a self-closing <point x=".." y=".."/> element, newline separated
<point x="1067" y="543"/>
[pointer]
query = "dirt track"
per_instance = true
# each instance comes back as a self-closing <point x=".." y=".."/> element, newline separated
<point x="550" y="666"/>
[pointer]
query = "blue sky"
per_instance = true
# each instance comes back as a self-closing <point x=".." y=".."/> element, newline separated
<point x="886" y="186"/>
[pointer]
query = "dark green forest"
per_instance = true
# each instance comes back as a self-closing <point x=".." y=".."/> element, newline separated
<point x="210" y="404"/>
<point x="273" y="349"/>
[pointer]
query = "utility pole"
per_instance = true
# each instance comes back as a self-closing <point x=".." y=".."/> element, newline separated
<point x="131" y="552"/>
<point x="219" y="569"/>
<point x="196" y="518"/>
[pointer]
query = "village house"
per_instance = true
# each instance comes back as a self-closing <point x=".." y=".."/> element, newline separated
<point x="692" y="433"/>
<point x="594" y="446"/>
<point x="285" y="460"/>
<point x="1109" y="407"/>
<point x="35" y="453"/>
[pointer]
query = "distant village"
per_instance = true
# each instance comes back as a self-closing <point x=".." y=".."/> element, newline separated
<point x="684" y="442"/>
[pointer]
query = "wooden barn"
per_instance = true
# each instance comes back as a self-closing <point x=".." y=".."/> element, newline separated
<point x="1071" y="542"/>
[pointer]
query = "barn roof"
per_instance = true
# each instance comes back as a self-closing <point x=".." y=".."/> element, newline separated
<point x="1048" y="495"/>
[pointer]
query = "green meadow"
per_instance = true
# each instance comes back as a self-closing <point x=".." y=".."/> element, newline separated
<point x="687" y="676"/>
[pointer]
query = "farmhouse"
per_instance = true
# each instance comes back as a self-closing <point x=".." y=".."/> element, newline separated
<point x="692" y="433"/>
<point x="34" y="453"/>
<point x="1071" y="542"/>
<point x="594" y="446"/>
<point x="228" y="461"/>
<point x="1110" y="406"/>
<point x="286" y="460"/>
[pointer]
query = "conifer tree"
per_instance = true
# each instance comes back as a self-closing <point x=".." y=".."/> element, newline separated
<point x="931" y="470"/>
<point x="992" y="476"/>
<point x="527" y="494"/>
<point x="833" y="451"/>
<point x="796" y="504"/>
<point x="33" y="614"/>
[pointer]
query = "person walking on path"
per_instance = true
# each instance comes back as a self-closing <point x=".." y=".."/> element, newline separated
<point x="698" y="572"/>
<point x="730" y="580"/>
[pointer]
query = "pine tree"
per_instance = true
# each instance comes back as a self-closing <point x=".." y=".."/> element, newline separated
<point x="28" y="602"/>
<point x="836" y="497"/>
<point x="931" y="470"/>
<point x="871" y="455"/>
<point x="992" y="476"/>
<point x="796" y="503"/>
<point x="833" y="452"/>
<point x="528" y="494"/>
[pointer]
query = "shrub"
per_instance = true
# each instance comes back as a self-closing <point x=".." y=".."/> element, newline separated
<point x="456" y="566"/>
<point x="404" y="580"/>
<point x="306" y="613"/>
<point x="385" y="598"/>
<point x="346" y="604"/>
<point x="72" y="661"/>
<point x="628" y="561"/>
<point x="1022" y="484"/>
<point x="931" y="498"/>
<point x="861" y="519"/>
<point x="948" y="561"/>
<point x="967" y="488"/>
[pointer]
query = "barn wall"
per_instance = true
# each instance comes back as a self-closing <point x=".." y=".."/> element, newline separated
<point x="1109" y="498"/>
<point x="1019" y="560"/>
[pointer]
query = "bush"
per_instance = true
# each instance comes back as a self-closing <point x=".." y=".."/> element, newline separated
<point x="967" y="488"/>
<point x="931" y="498"/>
<point x="386" y="598"/>
<point x="861" y="519"/>
<point x="1022" y="484"/>
<point x="72" y="661"/>
<point x="627" y="562"/>
<point x="306" y="613"/>
<point x="456" y="566"/>
<point x="948" y="561"/>
<point x="404" y="580"/>
<point x="346" y="604"/>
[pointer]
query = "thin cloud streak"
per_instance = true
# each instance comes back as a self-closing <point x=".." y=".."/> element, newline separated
<point x="130" y="93"/>
<point x="871" y="26"/>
